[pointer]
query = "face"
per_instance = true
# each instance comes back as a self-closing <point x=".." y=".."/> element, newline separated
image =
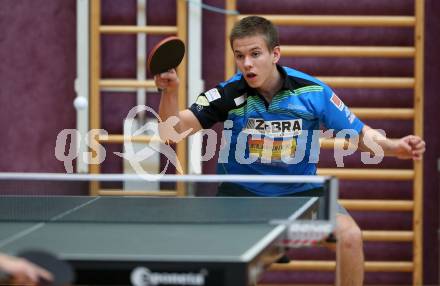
<point x="255" y="61"/>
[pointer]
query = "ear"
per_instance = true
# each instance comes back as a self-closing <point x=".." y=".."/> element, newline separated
<point x="276" y="53"/>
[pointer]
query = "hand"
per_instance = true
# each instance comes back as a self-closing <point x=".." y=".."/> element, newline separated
<point x="22" y="271"/>
<point x="167" y="81"/>
<point x="410" y="147"/>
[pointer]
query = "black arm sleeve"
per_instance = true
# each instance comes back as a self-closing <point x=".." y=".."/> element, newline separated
<point x="211" y="107"/>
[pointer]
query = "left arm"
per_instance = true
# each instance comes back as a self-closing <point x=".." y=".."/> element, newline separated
<point x="335" y="115"/>
<point x="408" y="147"/>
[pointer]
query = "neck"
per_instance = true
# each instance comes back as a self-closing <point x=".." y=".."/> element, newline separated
<point x="271" y="86"/>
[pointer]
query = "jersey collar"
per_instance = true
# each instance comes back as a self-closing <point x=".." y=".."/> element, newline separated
<point x="286" y="83"/>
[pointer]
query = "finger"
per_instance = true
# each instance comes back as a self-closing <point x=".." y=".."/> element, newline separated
<point x="413" y="140"/>
<point x="417" y="157"/>
<point x="160" y="78"/>
<point x="31" y="275"/>
<point x="418" y="153"/>
<point x="419" y="150"/>
<point x="172" y="71"/>
<point x="420" y="145"/>
<point x="169" y="74"/>
<point x="35" y="273"/>
<point x="166" y="75"/>
<point x="43" y="273"/>
<point x="161" y="83"/>
<point x="406" y="146"/>
<point x="404" y="150"/>
<point x="158" y="81"/>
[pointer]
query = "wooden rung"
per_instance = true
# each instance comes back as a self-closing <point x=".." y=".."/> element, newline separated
<point x="367" y="174"/>
<point x="334" y="20"/>
<point x="369" y="82"/>
<point x="131" y="83"/>
<point x="389" y="266"/>
<point x="153" y="30"/>
<point x="118" y="138"/>
<point x="384" y="113"/>
<point x="376" y="235"/>
<point x="296" y="284"/>
<point x="348" y="51"/>
<point x="377" y="205"/>
<point x="106" y="192"/>
<point x="316" y="265"/>
<point x="330" y="143"/>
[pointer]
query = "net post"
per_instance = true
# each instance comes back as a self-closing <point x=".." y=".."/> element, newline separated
<point x="332" y="187"/>
<point x="333" y="190"/>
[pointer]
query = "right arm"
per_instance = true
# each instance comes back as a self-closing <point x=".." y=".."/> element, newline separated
<point x="168" y="82"/>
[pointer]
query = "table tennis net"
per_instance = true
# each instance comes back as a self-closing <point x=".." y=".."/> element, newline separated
<point x="57" y="197"/>
<point x="148" y="210"/>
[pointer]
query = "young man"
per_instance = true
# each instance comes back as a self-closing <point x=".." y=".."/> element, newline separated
<point x="269" y="105"/>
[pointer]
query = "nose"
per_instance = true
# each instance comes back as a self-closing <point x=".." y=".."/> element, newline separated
<point x="248" y="62"/>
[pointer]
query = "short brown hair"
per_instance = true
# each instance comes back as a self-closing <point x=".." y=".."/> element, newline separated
<point x="255" y="25"/>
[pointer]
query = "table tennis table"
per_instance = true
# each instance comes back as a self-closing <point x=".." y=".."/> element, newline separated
<point x="153" y="241"/>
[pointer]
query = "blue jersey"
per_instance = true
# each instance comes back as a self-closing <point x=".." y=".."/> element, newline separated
<point x="280" y="137"/>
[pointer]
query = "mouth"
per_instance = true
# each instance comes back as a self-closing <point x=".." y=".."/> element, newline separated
<point x="251" y="75"/>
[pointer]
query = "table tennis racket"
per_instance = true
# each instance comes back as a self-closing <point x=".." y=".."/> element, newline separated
<point x="63" y="273"/>
<point x="166" y="55"/>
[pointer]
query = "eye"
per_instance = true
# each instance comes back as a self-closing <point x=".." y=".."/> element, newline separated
<point x="256" y="54"/>
<point x="238" y="56"/>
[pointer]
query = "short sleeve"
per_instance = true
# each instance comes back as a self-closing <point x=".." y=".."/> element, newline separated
<point x="211" y="107"/>
<point x="334" y="114"/>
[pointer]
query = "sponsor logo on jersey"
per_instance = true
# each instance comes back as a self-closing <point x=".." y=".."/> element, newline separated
<point x="351" y="118"/>
<point x="274" y="150"/>
<point x="274" y="128"/>
<point x="202" y="100"/>
<point x="347" y="111"/>
<point x="337" y="102"/>
<point x="240" y="100"/>
<point x="212" y="94"/>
